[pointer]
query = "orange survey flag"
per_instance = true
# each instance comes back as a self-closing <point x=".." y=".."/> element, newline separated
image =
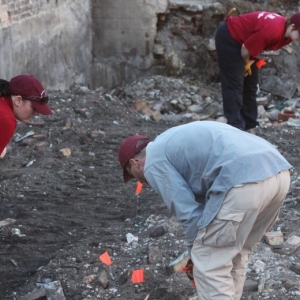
<point x="105" y="258"/>
<point x="137" y="276"/>
<point x="139" y="187"/>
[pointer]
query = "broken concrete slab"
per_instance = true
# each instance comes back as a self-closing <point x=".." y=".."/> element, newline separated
<point x="285" y="88"/>
<point x="52" y="291"/>
<point x="7" y="221"/>
<point x="291" y="245"/>
<point x="35" y="294"/>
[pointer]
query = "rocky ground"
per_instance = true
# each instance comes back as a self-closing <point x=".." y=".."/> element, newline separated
<point x="62" y="187"/>
<point x="64" y="204"/>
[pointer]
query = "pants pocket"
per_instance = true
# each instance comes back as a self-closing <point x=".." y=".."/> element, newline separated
<point x="222" y="231"/>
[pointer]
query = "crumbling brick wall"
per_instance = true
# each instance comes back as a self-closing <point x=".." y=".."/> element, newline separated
<point x="50" y="39"/>
<point x="12" y="11"/>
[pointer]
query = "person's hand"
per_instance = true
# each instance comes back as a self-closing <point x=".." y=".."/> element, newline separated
<point x="188" y="270"/>
<point x="247" y="69"/>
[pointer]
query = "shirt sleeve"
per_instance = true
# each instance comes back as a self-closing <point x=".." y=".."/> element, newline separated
<point x="7" y="129"/>
<point x="177" y="196"/>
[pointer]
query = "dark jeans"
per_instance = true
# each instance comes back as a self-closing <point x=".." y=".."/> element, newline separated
<point x="238" y="91"/>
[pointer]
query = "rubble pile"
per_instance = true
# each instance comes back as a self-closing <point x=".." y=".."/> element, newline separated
<point x="173" y="99"/>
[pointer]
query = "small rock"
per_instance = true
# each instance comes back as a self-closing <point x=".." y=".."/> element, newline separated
<point x="103" y="279"/>
<point x="259" y="265"/>
<point x="66" y="152"/>
<point x="7" y="221"/>
<point x="154" y="255"/>
<point x="124" y="277"/>
<point x="88" y="279"/>
<point x="158" y="231"/>
<point x="41" y="146"/>
<point x="295" y="268"/>
<point x="195" y="108"/>
<point x="274" y="238"/>
<point x="295" y="191"/>
<point x="27" y="142"/>
<point x="291" y="285"/>
<point x="250" y="286"/>
<point x="290" y="246"/>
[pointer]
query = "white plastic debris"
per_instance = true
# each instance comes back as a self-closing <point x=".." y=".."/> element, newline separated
<point x="293" y="122"/>
<point x="19" y="138"/>
<point x="131" y="238"/>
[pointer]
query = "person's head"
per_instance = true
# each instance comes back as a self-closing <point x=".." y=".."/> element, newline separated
<point x="132" y="155"/>
<point x="28" y="97"/>
<point x="293" y="27"/>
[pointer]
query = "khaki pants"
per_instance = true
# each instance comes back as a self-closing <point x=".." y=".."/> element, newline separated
<point x="220" y="251"/>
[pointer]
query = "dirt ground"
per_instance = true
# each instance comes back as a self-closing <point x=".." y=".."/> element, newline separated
<point x="70" y="210"/>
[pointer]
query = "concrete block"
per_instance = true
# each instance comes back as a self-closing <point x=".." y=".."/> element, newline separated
<point x="274" y="238"/>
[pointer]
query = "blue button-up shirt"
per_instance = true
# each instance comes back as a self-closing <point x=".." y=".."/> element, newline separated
<point x="193" y="166"/>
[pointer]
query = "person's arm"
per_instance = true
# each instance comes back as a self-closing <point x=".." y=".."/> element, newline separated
<point x="245" y="53"/>
<point x="246" y="57"/>
<point x="7" y="129"/>
<point x="177" y="196"/>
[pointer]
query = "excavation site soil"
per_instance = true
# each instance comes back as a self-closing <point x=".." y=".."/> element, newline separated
<point x="65" y="202"/>
<point x="65" y="207"/>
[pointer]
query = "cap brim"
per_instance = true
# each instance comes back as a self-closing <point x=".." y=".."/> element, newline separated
<point x="126" y="175"/>
<point x="42" y="108"/>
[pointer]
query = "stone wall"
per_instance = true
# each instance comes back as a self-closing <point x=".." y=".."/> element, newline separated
<point x="108" y="43"/>
<point x="50" y="39"/>
<point x="104" y="43"/>
<point x="123" y="39"/>
<point x="12" y="11"/>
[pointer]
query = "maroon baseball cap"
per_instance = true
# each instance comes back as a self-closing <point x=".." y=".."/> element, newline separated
<point x="295" y="19"/>
<point x="30" y="89"/>
<point x="129" y="148"/>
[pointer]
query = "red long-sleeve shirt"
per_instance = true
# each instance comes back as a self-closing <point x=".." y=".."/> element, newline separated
<point x="8" y="122"/>
<point x="258" y="31"/>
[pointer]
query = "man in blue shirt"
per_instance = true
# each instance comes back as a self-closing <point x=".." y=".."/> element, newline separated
<point x="226" y="186"/>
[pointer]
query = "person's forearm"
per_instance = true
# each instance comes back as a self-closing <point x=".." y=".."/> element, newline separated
<point x="245" y="53"/>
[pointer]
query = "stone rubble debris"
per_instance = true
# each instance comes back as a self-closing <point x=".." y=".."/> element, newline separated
<point x="131" y="238"/>
<point x="290" y="246"/>
<point x="19" y="138"/>
<point x="66" y="152"/>
<point x="7" y="221"/>
<point x="173" y="99"/>
<point x="274" y="238"/>
<point x="52" y="291"/>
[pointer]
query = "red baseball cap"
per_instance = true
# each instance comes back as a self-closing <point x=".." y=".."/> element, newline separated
<point x="30" y="89"/>
<point x="295" y="19"/>
<point x="129" y="148"/>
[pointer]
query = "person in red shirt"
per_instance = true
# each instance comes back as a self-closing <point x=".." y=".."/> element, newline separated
<point x="239" y="43"/>
<point x="21" y="98"/>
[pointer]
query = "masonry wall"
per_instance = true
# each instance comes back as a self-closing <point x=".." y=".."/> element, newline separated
<point x="123" y="39"/>
<point x="91" y="42"/>
<point x="50" y="39"/>
<point x="106" y="42"/>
